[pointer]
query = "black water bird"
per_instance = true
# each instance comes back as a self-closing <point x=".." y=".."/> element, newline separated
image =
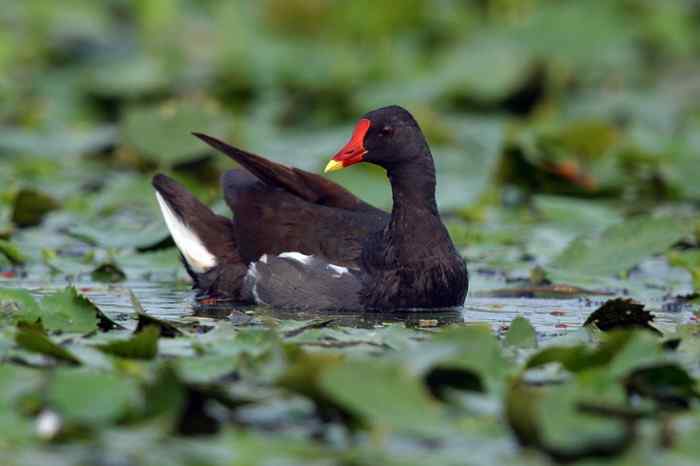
<point x="299" y="241"/>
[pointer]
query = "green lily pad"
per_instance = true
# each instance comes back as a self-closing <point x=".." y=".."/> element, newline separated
<point x="384" y="394"/>
<point x="521" y="334"/>
<point x="32" y="337"/>
<point x="108" y="272"/>
<point x="142" y="345"/>
<point x="30" y="207"/>
<point x="12" y="252"/>
<point x="616" y="314"/>
<point x="18" y="304"/>
<point x="91" y="397"/>
<point x="16" y="429"/>
<point x="69" y="311"/>
<point x="619" y="248"/>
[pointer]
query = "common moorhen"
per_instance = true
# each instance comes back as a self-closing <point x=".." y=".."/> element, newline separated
<point x="300" y="241"/>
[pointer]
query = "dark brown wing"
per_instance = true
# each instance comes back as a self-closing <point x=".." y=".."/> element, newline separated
<point x="270" y="220"/>
<point x="308" y="186"/>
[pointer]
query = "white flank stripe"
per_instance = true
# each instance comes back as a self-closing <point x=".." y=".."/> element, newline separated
<point x="191" y="247"/>
<point x="338" y="269"/>
<point x="297" y="256"/>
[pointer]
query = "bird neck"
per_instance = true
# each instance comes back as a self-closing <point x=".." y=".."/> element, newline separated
<point x="413" y="188"/>
<point x="415" y="228"/>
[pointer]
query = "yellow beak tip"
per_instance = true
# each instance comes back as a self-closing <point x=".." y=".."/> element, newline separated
<point x="332" y="166"/>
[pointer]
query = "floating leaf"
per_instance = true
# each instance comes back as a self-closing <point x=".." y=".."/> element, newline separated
<point x="207" y="368"/>
<point x="472" y="348"/>
<point x="620" y="247"/>
<point x="32" y="337"/>
<point x="142" y="345"/>
<point x="521" y="334"/>
<point x="15" y="383"/>
<point x="670" y="385"/>
<point x="617" y="314"/>
<point x="167" y="329"/>
<point x="91" y="397"/>
<point x="18" y="304"/>
<point x="383" y="393"/>
<point x="108" y="272"/>
<point x="12" y="252"/>
<point x="69" y="311"/>
<point x="31" y="206"/>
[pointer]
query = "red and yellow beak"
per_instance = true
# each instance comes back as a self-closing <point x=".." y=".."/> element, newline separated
<point x="353" y="152"/>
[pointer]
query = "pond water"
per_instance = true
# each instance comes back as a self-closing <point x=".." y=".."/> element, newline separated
<point x="170" y="300"/>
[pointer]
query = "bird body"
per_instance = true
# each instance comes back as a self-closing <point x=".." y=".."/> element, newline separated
<point x="299" y="241"/>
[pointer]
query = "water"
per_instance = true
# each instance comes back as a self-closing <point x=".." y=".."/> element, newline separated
<point x="172" y="301"/>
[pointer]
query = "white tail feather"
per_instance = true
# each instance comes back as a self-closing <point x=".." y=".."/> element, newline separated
<point x="193" y="250"/>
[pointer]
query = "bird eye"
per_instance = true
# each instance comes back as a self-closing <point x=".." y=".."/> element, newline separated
<point x="386" y="131"/>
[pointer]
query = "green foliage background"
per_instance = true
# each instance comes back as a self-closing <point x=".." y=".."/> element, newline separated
<point x="567" y="140"/>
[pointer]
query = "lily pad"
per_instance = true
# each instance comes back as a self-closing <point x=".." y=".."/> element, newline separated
<point x="12" y="252"/>
<point x="616" y="314"/>
<point x="142" y="345"/>
<point x="108" y="272"/>
<point x="521" y="334"/>
<point x="69" y="311"/>
<point x="32" y="337"/>
<point x="18" y="304"/>
<point x="620" y="247"/>
<point x="30" y="207"/>
<point x="91" y="397"/>
<point x="385" y="394"/>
